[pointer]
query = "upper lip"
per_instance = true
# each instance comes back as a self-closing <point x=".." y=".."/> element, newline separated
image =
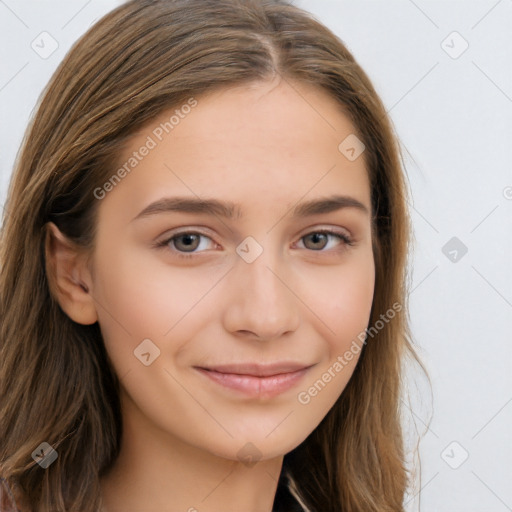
<point x="257" y="370"/>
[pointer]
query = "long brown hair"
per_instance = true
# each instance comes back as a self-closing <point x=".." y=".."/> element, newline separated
<point x="56" y="381"/>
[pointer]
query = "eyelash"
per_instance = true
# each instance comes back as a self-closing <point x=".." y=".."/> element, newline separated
<point x="347" y="241"/>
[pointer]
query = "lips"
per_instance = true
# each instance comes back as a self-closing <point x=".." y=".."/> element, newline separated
<point x="256" y="379"/>
<point x="257" y="370"/>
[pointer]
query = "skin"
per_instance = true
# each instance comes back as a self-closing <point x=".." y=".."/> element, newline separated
<point x="268" y="147"/>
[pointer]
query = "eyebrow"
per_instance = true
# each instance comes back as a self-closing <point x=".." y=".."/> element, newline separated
<point x="230" y="210"/>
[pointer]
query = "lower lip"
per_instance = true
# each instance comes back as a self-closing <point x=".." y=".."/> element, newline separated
<point x="256" y="386"/>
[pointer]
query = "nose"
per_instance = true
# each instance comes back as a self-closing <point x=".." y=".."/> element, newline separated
<point x="261" y="301"/>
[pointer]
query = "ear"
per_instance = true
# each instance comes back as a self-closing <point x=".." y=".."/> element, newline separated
<point x="69" y="277"/>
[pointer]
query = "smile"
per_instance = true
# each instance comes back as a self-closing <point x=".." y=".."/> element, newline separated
<point x="255" y="380"/>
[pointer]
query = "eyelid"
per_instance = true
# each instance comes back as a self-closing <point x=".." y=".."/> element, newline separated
<point x="335" y="230"/>
<point x="185" y="230"/>
<point x="344" y="235"/>
<point x="164" y="241"/>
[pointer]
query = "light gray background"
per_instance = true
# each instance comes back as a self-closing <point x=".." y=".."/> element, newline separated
<point x="453" y="114"/>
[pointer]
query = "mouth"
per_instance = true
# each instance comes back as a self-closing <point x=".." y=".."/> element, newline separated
<point x="257" y="380"/>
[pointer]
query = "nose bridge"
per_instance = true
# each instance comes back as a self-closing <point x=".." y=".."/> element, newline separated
<point x="262" y="279"/>
<point x="261" y="302"/>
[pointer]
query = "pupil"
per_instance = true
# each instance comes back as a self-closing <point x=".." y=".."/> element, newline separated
<point x="188" y="241"/>
<point x="318" y="238"/>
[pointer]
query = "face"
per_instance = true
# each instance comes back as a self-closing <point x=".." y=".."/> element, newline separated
<point x="233" y="268"/>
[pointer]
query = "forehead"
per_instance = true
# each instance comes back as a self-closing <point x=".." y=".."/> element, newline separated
<point x="263" y="117"/>
<point x="276" y="140"/>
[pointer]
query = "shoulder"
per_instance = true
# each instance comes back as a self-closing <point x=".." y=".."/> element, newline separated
<point x="287" y="498"/>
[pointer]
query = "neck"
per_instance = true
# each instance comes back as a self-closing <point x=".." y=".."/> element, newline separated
<point x="155" y="471"/>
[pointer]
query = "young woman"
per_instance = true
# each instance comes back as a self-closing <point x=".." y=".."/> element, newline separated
<point x="203" y="264"/>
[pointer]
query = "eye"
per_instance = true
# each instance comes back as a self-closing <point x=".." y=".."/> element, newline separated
<point x="186" y="242"/>
<point x="325" y="239"/>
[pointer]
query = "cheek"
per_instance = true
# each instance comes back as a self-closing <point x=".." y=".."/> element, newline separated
<point x="139" y="297"/>
<point x="352" y="302"/>
<point x="342" y="298"/>
<point x="146" y="292"/>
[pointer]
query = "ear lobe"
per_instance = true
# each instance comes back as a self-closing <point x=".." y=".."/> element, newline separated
<point x="68" y="276"/>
